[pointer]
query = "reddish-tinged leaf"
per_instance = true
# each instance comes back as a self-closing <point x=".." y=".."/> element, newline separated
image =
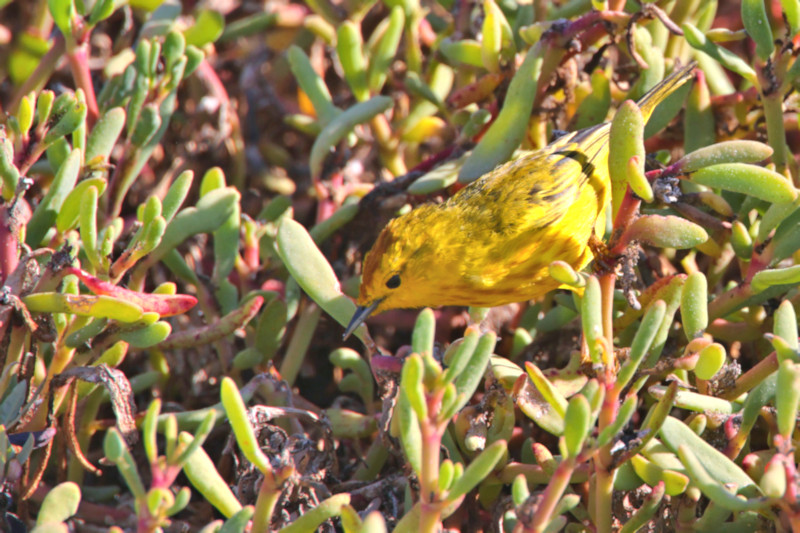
<point x="476" y="91"/>
<point x="163" y="304"/>
<point x="274" y="285"/>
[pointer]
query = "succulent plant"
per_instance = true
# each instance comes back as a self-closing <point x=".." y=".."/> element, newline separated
<point x="153" y="324"/>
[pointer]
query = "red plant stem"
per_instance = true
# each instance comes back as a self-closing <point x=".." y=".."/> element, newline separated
<point x="652" y="175"/>
<point x="759" y="262"/>
<point x="789" y="503"/>
<point x="552" y="494"/>
<point x="749" y="96"/>
<point x="589" y="21"/>
<point x="387" y="363"/>
<point x="326" y="205"/>
<point x="429" y="517"/>
<point x="78" y="59"/>
<point x="794" y="519"/>
<point x="604" y="472"/>
<point x="729" y="301"/>
<point x="628" y="211"/>
<point x="9" y="244"/>
<point x="251" y="254"/>
<point x="124" y="262"/>
<point x="607" y="282"/>
<point x="434" y="160"/>
<point x="791" y="478"/>
<point x="431" y="442"/>
<point x="701" y="384"/>
<point x="32" y="157"/>
<point x="163" y="478"/>
<point x="476" y="91"/>
<point x="12" y="218"/>
<point x="430" y="504"/>
<point x="735" y="443"/>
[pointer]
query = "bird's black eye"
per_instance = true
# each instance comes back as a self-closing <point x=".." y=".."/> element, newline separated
<point x="393" y="282"/>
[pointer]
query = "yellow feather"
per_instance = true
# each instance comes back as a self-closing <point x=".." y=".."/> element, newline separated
<point x="492" y="242"/>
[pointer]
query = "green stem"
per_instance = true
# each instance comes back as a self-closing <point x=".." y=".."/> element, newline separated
<point x="136" y="158"/>
<point x="536" y="475"/>
<point x="429" y="517"/>
<point x="413" y="49"/>
<point x="254" y="24"/>
<point x="603" y="491"/>
<point x="642" y="516"/>
<point x="122" y="179"/>
<point x="373" y="462"/>
<point x="217" y="330"/>
<point x="752" y="377"/>
<point x="265" y="504"/>
<point x="301" y="340"/>
<point x="728" y="302"/>
<point x="776" y="135"/>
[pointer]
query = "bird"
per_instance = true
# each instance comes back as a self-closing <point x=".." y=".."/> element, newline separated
<point x="492" y="242"/>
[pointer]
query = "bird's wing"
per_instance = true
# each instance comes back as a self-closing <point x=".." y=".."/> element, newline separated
<point x="535" y="190"/>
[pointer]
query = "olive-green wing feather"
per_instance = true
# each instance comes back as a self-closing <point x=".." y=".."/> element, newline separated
<point x="537" y="189"/>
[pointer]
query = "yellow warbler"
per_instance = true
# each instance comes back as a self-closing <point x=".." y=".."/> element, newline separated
<point x="492" y="242"/>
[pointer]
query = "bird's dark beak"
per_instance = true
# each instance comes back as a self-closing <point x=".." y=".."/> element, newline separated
<point x="361" y="314"/>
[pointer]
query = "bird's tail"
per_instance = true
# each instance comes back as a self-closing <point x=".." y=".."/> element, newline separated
<point x="668" y="85"/>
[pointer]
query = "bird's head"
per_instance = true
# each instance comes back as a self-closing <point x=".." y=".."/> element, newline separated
<point x="400" y="269"/>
